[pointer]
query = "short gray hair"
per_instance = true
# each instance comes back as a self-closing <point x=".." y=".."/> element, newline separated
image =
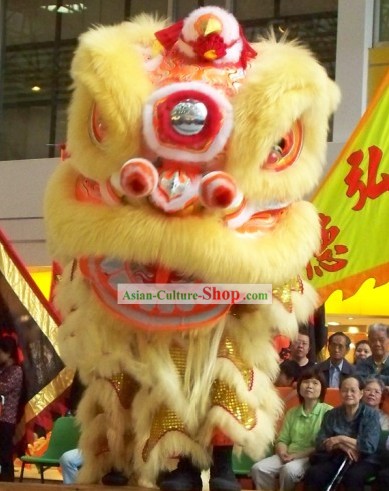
<point x="378" y="328"/>
<point x="375" y="380"/>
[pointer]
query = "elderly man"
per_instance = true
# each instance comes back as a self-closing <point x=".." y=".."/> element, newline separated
<point x="336" y="366"/>
<point x="377" y="364"/>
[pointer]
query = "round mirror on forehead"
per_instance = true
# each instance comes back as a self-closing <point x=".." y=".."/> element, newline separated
<point x="188" y="117"/>
<point x="187" y="122"/>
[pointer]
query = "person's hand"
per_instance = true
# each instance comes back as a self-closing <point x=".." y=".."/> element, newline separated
<point x="284" y="456"/>
<point x="351" y="453"/>
<point x="292" y="456"/>
<point x="330" y="443"/>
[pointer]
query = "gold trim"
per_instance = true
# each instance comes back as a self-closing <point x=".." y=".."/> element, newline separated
<point x="48" y="394"/>
<point x="28" y="298"/>
<point x="48" y="326"/>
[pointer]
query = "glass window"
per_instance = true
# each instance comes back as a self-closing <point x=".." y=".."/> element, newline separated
<point x="39" y="44"/>
<point x="158" y="7"/>
<point x="252" y="9"/>
<point x="314" y="22"/>
<point x="39" y="41"/>
<point x="384" y="21"/>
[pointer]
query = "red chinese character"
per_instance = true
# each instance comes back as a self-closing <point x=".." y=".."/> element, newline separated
<point x="327" y="259"/>
<point x="372" y="189"/>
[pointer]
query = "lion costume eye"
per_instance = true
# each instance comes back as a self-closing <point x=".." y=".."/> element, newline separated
<point x="284" y="153"/>
<point x="187" y="121"/>
<point x="97" y="126"/>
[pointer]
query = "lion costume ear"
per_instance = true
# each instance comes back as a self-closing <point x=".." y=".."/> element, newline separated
<point x="110" y="66"/>
<point x="110" y="78"/>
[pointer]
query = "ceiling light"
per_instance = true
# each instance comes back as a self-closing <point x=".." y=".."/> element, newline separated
<point x="350" y="318"/>
<point x="333" y="323"/>
<point x="36" y="88"/>
<point x="353" y="329"/>
<point x="67" y="8"/>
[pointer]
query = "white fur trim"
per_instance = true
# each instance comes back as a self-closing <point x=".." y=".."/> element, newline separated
<point x="230" y="31"/>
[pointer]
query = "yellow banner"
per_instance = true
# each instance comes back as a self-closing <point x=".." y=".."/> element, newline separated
<point x="353" y="202"/>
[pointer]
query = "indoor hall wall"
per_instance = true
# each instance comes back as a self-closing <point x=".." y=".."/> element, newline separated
<point x="22" y="185"/>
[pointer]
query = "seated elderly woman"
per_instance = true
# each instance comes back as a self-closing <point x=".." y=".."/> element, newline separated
<point x="351" y="430"/>
<point x="296" y="440"/>
<point x="372" y="396"/>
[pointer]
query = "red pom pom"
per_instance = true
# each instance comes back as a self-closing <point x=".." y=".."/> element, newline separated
<point x="217" y="190"/>
<point x="211" y="47"/>
<point x="223" y="196"/>
<point x="138" y="178"/>
<point x="135" y="184"/>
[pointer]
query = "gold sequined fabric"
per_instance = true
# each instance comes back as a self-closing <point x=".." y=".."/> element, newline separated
<point x="224" y="396"/>
<point x="229" y="350"/>
<point x="283" y="293"/>
<point x="125" y="387"/>
<point x="178" y="355"/>
<point x="164" y="421"/>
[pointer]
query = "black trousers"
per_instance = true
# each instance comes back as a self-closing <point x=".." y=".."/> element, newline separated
<point x="382" y="481"/>
<point x="7" y="431"/>
<point x="318" y="476"/>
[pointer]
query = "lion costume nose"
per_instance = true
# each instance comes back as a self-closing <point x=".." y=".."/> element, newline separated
<point x="217" y="190"/>
<point x="136" y="179"/>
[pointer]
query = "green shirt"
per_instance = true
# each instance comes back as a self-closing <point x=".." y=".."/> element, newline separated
<point x="299" y="429"/>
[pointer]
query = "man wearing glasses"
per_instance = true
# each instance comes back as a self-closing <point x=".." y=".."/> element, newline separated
<point x="336" y="366"/>
<point x="376" y="365"/>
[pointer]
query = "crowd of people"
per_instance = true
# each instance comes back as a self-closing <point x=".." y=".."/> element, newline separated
<point x="322" y="445"/>
<point x="317" y="443"/>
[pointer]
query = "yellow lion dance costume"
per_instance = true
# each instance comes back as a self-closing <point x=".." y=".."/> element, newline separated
<point x="189" y="153"/>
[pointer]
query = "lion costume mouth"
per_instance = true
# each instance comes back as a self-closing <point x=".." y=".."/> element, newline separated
<point x="245" y="217"/>
<point x="105" y="274"/>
